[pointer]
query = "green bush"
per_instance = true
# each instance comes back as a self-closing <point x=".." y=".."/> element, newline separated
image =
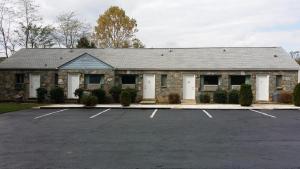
<point x="246" y="95"/>
<point x="220" y="96"/>
<point x="57" y="95"/>
<point x="41" y="94"/>
<point x="100" y="94"/>
<point x="115" y="93"/>
<point x="234" y="97"/>
<point x="132" y="93"/>
<point x="125" y="98"/>
<point x="79" y="93"/>
<point x="89" y="100"/>
<point x="204" y="98"/>
<point x="296" y="95"/>
<point x="174" y="98"/>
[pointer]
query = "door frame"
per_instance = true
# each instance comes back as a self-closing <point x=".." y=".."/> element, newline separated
<point x="183" y="92"/>
<point x="68" y="87"/>
<point x="256" y="86"/>
<point x="30" y="83"/>
<point x="144" y="85"/>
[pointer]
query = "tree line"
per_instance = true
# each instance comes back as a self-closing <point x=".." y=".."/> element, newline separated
<point x="21" y="26"/>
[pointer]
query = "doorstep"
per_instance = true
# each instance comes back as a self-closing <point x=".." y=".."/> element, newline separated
<point x="175" y="106"/>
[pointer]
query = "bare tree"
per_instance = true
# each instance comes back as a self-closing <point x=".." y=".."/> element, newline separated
<point x="29" y="13"/>
<point x="7" y="22"/>
<point x="70" y="29"/>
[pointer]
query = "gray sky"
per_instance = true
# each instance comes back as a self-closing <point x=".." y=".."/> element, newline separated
<point x="197" y="23"/>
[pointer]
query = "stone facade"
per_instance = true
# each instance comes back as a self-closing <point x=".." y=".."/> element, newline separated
<point x="112" y="77"/>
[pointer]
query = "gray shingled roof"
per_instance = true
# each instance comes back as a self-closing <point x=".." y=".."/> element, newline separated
<point x="209" y="58"/>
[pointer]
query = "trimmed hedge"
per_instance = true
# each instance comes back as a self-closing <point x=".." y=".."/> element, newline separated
<point x="89" y="100"/>
<point x="234" y="97"/>
<point x="296" y="95"/>
<point x="115" y="92"/>
<point x="246" y="95"/>
<point x="125" y="98"/>
<point x="174" y="98"/>
<point x="100" y="94"/>
<point x="133" y="94"/>
<point x="57" y="95"/>
<point x="41" y="94"/>
<point x="204" y="98"/>
<point x="220" y="96"/>
<point x="79" y="93"/>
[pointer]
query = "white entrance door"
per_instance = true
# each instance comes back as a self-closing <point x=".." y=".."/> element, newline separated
<point x="189" y="87"/>
<point x="34" y="83"/>
<point x="149" y="86"/>
<point x="73" y="84"/>
<point x="262" y="87"/>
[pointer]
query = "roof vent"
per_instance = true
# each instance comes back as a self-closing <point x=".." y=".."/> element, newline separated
<point x="224" y="50"/>
<point x="162" y="54"/>
<point x="46" y="65"/>
<point x="61" y="58"/>
<point x="170" y="50"/>
<point x="275" y="56"/>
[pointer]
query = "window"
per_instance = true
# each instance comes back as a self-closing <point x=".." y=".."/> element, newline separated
<point x="238" y="80"/>
<point x="19" y="78"/>
<point x="163" y="79"/>
<point x="211" y="80"/>
<point x="93" y="79"/>
<point x="56" y="79"/>
<point x="278" y="81"/>
<point x="128" y="79"/>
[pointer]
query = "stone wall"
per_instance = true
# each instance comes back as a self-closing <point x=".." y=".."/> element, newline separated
<point x="175" y="81"/>
<point x="8" y="79"/>
<point x="109" y="79"/>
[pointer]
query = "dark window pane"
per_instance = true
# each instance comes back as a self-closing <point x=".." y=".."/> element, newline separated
<point x="211" y="80"/>
<point x="19" y="78"/>
<point x="128" y="79"/>
<point x="93" y="79"/>
<point x="164" y="80"/>
<point x="278" y="80"/>
<point x="56" y="79"/>
<point x="238" y="80"/>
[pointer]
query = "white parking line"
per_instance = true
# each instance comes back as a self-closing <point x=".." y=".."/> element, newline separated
<point x="99" y="113"/>
<point x="209" y="115"/>
<point x="50" y="113"/>
<point x="263" y="113"/>
<point x="153" y="114"/>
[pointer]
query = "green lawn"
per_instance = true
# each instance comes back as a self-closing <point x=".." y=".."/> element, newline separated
<point x="9" y="107"/>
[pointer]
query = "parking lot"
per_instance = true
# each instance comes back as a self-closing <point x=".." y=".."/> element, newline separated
<point x="149" y="138"/>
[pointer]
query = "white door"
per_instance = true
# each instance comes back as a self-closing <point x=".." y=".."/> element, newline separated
<point x="34" y="83"/>
<point x="73" y="84"/>
<point x="189" y="87"/>
<point x="149" y="86"/>
<point x="262" y="87"/>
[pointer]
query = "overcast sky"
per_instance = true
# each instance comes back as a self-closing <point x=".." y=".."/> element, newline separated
<point x="197" y="23"/>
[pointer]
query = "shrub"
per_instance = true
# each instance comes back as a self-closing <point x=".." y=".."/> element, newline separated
<point x="132" y="93"/>
<point x="204" y="98"/>
<point x="57" y="95"/>
<point x="220" y="96"/>
<point x="125" y="98"/>
<point x="41" y="94"/>
<point x="79" y="93"/>
<point x="115" y="93"/>
<point x="100" y="94"/>
<point x="89" y="100"/>
<point x="234" y="97"/>
<point x="246" y="95"/>
<point x="174" y="98"/>
<point x="285" y="97"/>
<point x="296" y="95"/>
